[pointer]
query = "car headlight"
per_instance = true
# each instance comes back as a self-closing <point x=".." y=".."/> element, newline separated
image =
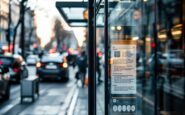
<point x="65" y="65"/>
<point x="38" y="64"/>
<point x="6" y="76"/>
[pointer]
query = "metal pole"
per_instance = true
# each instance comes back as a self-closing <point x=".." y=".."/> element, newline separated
<point x="155" y="58"/>
<point x="106" y="45"/>
<point x="92" y="59"/>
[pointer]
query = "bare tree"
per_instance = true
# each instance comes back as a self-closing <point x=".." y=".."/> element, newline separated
<point x="60" y="33"/>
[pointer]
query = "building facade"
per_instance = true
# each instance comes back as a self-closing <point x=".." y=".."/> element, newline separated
<point x="4" y="10"/>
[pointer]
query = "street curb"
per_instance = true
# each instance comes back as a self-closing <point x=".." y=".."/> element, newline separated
<point x="73" y="103"/>
<point x="66" y="105"/>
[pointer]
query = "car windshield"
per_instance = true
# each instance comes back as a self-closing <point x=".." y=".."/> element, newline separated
<point x="32" y="56"/>
<point x="49" y="58"/>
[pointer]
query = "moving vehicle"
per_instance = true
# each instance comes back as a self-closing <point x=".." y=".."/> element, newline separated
<point x="52" y="66"/>
<point x="16" y="65"/>
<point x="4" y="83"/>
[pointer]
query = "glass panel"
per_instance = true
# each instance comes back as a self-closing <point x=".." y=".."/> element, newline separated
<point x="130" y="21"/>
<point x="135" y="20"/>
<point x="101" y="11"/>
<point x="100" y="20"/>
<point x="80" y="24"/>
<point x="100" y="62"/>
<point x="171" y="80"/>
<point x="74" y="13"/>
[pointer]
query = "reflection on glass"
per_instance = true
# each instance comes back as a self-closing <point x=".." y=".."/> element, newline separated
<point x="74" y="13"/>
<point x="135" y="20"/>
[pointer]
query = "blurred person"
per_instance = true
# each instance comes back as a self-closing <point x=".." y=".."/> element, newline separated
<point x="82" y="66"/>
<point x="98" y="67"/>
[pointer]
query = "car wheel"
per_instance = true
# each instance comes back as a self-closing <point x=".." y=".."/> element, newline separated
<point x="6" y="96"/>
<point x="65" y="79"/>
<point x="67" y="76"/>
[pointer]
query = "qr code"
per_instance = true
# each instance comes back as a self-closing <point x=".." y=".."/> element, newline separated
<point x="116" y="53"/>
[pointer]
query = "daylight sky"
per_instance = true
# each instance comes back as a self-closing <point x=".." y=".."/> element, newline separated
<point x="45" y="14"/>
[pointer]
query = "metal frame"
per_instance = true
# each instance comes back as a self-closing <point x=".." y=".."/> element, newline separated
<point x="60" y="5"/>
<point x="106" y="45"/>
<point x="156" y="71"/>
<point x="92" y="58"/>
<point x="93" y="9"/>
<point x="155" y="58"/>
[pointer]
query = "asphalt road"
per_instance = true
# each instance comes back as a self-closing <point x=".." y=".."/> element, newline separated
<point x="55" y="98"/>
<point x="59" y="98"/>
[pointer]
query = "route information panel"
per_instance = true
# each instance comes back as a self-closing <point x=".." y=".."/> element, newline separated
<point x="123" y="77"/>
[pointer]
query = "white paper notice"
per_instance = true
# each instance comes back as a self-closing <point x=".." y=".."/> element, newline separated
<point x="123" y="68"/>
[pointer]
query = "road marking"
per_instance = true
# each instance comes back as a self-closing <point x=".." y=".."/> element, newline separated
<point x="42" y="92"/>
<point x="8" y="107"/>
<point x="71" y="84"/>
<point x="146" y="99"/>
<point x="14" y="89"/>
<point x="73" y="103"/>
<point x="16" y="101"/>
<point x="68" y="100"/>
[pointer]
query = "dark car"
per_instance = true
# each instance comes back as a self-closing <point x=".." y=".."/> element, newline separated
<point x="16" y="65"/>
<point x="53" y="66"/>
<point x="4" y="83"/>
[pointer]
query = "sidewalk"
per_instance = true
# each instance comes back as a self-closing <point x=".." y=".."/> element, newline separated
<point x="81" y="106"/>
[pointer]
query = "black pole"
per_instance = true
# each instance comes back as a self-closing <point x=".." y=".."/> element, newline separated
<point x="22" y="41"/>
<point x="106" y="45"/>
<point x="92" y="58"/>
<point x="155" y="58"/>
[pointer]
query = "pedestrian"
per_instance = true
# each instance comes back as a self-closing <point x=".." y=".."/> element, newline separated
<point x="98" y="68"/>
<point x="82" y="66"/>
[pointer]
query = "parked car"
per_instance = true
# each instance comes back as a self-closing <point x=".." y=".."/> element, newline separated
<point x="4" y="83"/>
<point x="52" y="66"/>
<point x="17" y="66"/>
<point x="32" y="59"/>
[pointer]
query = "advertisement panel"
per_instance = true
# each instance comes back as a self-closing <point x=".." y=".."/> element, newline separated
<point x="123" y="77"/>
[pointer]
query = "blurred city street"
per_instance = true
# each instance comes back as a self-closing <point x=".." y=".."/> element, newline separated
<point x="92" y="57"/>
<point x="56" y="98"/>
